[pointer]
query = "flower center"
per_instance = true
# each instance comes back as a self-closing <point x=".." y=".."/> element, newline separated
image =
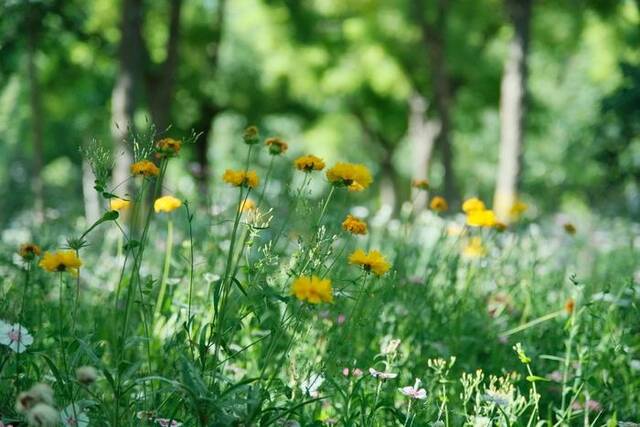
<point x="14" y="335"/>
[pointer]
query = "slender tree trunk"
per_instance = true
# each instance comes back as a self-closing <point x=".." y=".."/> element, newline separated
<point x="202" y="171"/>
<point x="434" y="41"/>
<point x="160" y="86"/>
<point x="123" y="98"/>
<point x="209" y="109"/>
<point x="512" y="109"/>
<point x="422" y="135"/>
<point x="388" y="191"/>
<point x="35" y="102"/>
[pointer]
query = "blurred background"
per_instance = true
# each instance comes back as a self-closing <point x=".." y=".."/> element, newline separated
<point x="533" y="100"/>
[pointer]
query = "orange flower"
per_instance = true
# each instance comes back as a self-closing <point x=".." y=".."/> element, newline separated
<point x="373" y="261"/>
<point x="276" y="146"/>
<point x="241" y="178"/>
<point x="309" y="163"/>
<point x="439" y="204"/>
<point x="354" y="225"/>
<point x="569" y="306"/>
<point x="355" y="177"/>
<point x="29" y="251"/>
<point x="168" y="147"/>
<point x="420" y="184"/>
<point x="144" y="168"/>
<point x="251" y="135"/>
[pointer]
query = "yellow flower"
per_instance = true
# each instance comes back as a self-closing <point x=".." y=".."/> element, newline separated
<point x="355" y="177"/>
<point x="166" y="204"/>
<point x="29" y="251"/>
<point x="309" y="163"/>
<point x="248" y="205"/>
<point x="168" y="147"/>
<point x="481" y="218"/>
<point x="439" y="204"/>
<point x="373" y="261"/>
<point x="312" y="289"/>
<point x="117" y="204"/>
<point x="473" y="204"/>
<point x="474" y="248"/>
<point x="241" y="178"/>
<point x="251" y="136"/>
<point x="145" y="167"/>
<point x="61" y="261"/>
<point x="420" y="184"/>
<point x="518" y="208"/>
<point x="569" y="228"/>
<point x="276" y="146"/>
<point x="354" y="225"/>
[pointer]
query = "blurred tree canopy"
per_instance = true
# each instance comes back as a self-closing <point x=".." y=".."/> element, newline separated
<point x="409" y="87"/>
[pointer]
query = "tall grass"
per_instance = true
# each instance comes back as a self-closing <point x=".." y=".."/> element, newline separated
<point x="178" y="315"/>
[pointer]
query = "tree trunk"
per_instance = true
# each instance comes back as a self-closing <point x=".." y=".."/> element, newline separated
<point x="124" y="93"/>
<point x="160" y="86"/>
<point x="209" y="109"/>
<point x="202" y="171"/>
<point x="512" y="109"/>
<point x="422" y="135"/>
<point x="35" y="102"/>
<point x="434" y="42"/>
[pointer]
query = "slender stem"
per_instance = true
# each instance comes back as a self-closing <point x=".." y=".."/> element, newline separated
<point x="266" y="182"/>
<point x="326" y="203"/>
<point x="191" y="270"/>
<point x="20" y="322"/>
<point x="165" y="271"/>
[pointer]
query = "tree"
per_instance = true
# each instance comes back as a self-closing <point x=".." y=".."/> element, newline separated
<point x="513" y="91"/>
<point x="434" y="43"/>
<point x="34" y="28"/>
<point x="137" y="72"/>
<point x="127" y="86"/>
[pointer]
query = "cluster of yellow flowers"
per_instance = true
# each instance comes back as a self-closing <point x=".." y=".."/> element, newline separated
<point x="168" y="147"/>
<point x="354" y="225"/>
<point x="479" y="216"/>
<point x="372" y="261"/>
<point x="166" y="204"/>
<point x="354" y="176"/>
<point x="309" y="163"/>
<point x="248" y="205"/>
<point x="61" y="261"/>
<point x="118" y="204"/>
<point x="276" y="146"/>
<point x="312" y="289"/>
<point x="474" y="248"/>
<point x="144" y="168"/>
<point x="29" y="251"/>
<point x="439" y="204"/>
<point x="239" y="178"/>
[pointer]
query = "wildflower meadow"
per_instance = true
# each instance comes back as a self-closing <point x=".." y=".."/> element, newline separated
<point x="310" y="213"/>
<point x="302" y="308"/>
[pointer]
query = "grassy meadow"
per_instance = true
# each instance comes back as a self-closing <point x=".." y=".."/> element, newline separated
<point x="290" y="301"/>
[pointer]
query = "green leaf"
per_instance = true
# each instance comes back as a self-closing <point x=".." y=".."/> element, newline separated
<point x="534" y="378"/>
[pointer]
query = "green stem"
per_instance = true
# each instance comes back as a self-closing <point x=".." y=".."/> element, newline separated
<point x="20" y="322"/>
<point x="165" y="271"/>
<point x="266" y="182"/>
<point x="191" y="270"/>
